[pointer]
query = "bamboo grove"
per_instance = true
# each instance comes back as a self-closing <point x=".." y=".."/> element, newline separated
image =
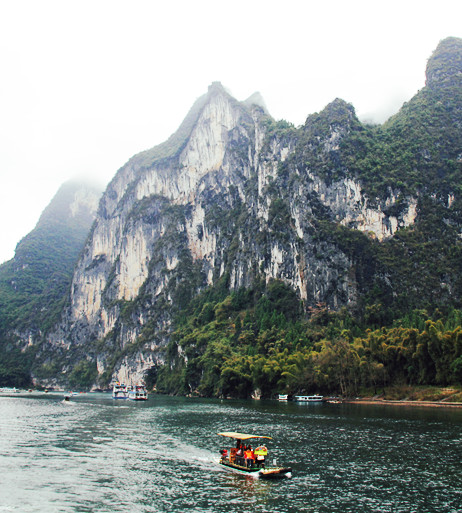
<point x="255" y="340"/>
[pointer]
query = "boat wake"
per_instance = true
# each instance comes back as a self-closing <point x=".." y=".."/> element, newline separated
<point x="169" y="449"/>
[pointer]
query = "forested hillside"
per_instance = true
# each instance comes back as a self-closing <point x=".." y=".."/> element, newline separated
<point x="34" y="284"/>
<point x="260" y="341"/>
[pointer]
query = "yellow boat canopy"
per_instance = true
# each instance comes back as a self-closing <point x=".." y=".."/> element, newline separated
<point x="242" y="436"/>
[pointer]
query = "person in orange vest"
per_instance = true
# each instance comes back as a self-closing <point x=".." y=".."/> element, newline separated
<point x="249" y="457"/>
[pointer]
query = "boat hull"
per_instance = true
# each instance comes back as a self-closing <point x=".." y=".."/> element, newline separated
<point x="309" y="398"/>
<point x="138" y="393"/>
<point x="264" y="473"/>
<point x="138" y="398"/>
<point x="275" y="472"/>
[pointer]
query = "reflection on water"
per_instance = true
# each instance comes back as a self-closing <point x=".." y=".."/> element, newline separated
<point x="93" y="454"/>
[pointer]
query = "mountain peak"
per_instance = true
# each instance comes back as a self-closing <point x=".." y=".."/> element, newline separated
<point x="75" y="202"/>
<point x="216" y="87"/>
<point x="337" y="113"/>
<point x="176" y="142"/>
<point x="444" y="68"/>
<point x="256" y="99"/>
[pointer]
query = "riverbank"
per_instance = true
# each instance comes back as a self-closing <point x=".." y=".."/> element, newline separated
<point x="407" y="395"/>
<point x="388" y="402"/>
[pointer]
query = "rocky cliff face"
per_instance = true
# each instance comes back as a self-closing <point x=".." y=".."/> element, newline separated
<point x="232" y="194"/>
<point x="213" y="206"/>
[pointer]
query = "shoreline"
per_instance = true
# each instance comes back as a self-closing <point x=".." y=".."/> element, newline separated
<point x="389" y="402"/>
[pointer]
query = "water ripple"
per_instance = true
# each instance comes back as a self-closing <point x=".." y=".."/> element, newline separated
<point x="98" y="455"/>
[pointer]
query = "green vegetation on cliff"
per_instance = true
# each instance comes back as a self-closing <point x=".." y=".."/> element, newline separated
<point x="256" y="340"/>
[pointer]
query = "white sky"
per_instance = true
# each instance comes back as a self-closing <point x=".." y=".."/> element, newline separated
<point x="86" y="84"/>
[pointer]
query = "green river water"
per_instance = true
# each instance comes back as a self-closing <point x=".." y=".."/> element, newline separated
<point x="95" y="454"/>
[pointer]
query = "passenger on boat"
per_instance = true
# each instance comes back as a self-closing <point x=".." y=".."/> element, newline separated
<point x="240" y="455"/>
<point x="249" y="457"/>
<point x="224" y="454"/>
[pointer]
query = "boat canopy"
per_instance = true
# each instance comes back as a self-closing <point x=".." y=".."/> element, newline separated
<point x="242" y="436"/>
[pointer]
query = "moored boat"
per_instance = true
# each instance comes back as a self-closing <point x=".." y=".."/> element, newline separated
<point x="138" y="393"/>
<point x="283" y="397"/>
<point x="119" y="391"/>
<point x="9" y="390"/>
<point x="309" y="398"/>
<point x="333" y="400"/>
<point x="248" y="461"/>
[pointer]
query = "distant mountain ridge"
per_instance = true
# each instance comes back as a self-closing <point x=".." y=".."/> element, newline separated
<point x="34" y="284"/>
<point x="357" y="218"/>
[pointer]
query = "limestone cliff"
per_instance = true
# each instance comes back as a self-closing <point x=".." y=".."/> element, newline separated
<point x="210" y="204"/>
<point x="231" y="194"/>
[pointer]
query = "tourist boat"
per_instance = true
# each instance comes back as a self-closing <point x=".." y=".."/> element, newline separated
<point x="9" y="390"/>
<point x="309" y="398"/>
<point x="138" y="393"/>
<point x="230" y="460"/>
<point x="119" y="391"/>
<point x="283" y="397"/>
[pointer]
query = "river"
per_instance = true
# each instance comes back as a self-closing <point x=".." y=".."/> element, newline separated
<point x="95" y="454"/>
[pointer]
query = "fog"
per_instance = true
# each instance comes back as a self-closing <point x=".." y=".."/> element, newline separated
<point x="85" y="85"/>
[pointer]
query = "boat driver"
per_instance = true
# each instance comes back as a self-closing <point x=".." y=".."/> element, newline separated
<point x="260" y="453"/>
<point x="240" y="455"/>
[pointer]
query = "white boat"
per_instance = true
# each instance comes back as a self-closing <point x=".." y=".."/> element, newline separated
<point x="119" y="391"/>
<point x="138" y="393"/>
<point x="9" y="390"/>
<point x="283" y="397"/>
<point x="309" y="398"/>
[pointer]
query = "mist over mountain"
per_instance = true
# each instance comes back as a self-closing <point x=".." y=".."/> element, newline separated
<point x="242" y="241"/>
